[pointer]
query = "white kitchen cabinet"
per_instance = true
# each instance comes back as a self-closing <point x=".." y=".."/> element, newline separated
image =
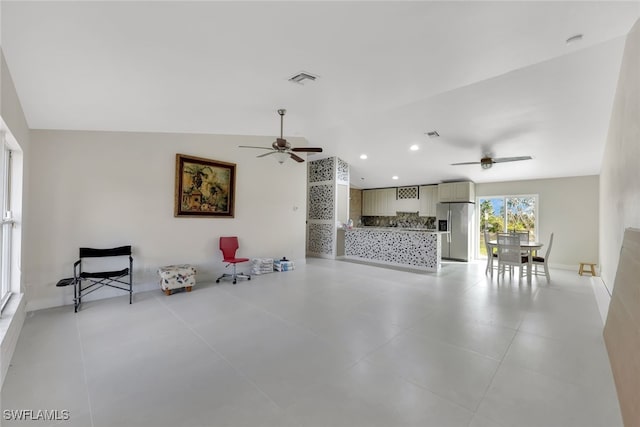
<point x="407" y="199"/>
<point x="386" y="202"/>
<point x="379" y="202"/>
<point x="428" y="200"/>
<point x="464" y="192"/>
<point x="445" y="192"/>
<point x="369" y="199"/>
<point x="456" y="192"/>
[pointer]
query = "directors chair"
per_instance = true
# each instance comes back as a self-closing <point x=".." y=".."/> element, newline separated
<point x="85" y="282"/>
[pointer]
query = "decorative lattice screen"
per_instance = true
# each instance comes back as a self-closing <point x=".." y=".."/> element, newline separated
<point x="407" y="193"/>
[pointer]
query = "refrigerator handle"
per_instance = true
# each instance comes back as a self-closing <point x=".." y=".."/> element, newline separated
<point x="449" y="226"/>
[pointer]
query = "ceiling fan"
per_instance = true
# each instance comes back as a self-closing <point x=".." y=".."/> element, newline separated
<point x="487" y="162"/>
<point x="281" y="147"/>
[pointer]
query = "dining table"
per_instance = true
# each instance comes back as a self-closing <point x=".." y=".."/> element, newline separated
<point x="529" y="248"/>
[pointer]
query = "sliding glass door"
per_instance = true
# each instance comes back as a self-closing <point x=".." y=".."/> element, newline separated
<point x="500" y="214"/>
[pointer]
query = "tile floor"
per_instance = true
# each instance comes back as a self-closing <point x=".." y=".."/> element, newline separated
<point x="329" y="344"/>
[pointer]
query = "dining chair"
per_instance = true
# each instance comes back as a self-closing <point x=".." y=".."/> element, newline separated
<point x="544" y="261"/>
<point x="491" y="255"/>
<point x="523" y="235"/>
<point x="509" y="254"/>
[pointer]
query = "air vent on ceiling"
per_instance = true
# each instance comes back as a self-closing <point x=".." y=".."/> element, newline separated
<point x="301" y="77"/>
<point x="433" y="134"/>
<point x="574" y="39"/>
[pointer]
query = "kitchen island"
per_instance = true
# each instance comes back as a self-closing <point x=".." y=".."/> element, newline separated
<point x="412" y="248"/>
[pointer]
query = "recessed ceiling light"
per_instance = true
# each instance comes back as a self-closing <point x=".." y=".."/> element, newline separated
<point x="363" y="156"/>
<point x="394" y="177"/>
<point x="574" y="39"/>
<point x="433" y="134"/>
<point x="414" y="147"/>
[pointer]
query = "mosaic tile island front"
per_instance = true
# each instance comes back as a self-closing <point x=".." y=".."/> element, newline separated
<point x="412" y="248"/>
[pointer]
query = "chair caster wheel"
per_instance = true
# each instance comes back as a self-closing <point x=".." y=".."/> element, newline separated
<point x="234" y="282"/>
<point x="218" y="281"/>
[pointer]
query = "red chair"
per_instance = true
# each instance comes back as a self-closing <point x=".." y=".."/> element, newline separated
<point x="229" y="246"/>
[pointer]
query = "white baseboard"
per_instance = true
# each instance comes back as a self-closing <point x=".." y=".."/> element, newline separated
<point x="143" y="282"/>
<point x="565" y="266"/>
<point x="325" y="256"/>
<point x="603" y="298"/>
<point x="148" y="282"/>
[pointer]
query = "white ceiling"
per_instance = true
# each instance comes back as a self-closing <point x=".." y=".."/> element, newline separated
<point x="491" y="77"/>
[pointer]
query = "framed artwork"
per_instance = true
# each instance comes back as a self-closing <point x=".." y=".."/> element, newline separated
<point x="204" y="187"/>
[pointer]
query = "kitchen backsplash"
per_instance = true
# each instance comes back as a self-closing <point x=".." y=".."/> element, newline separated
<point x="402" y="219"/>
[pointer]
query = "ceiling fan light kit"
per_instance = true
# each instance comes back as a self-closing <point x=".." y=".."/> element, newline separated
<point x="281" y="147"/>
<point x="281" y="157"/>
<point x="486" y="163"/>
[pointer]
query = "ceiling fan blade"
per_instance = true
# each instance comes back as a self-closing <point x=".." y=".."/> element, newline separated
<point x="268" y="154"/>
<point x="307" y="149"/>
<point x="296" y="158"/>
<point x="465" y="163"/>
<point x="259" y="148"/>
<point x="511" y="159"/>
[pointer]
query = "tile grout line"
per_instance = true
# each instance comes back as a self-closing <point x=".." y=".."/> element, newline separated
<point x="84" y="369"/>
<point x="332" y="345"/>
<point x="493" y="377"/>
<point x="400" y="376"/>
<point x="222" y="357"/>
<point x="288" y="322"/>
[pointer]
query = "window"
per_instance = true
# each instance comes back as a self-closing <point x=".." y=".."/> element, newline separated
<point x="7" y="223"/>
<point x="499" y="214"/>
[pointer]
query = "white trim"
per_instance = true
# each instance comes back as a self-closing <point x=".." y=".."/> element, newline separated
<point x="603" y="298"/>
<point x="10" y="327"/>
<point x="565" y="266"/>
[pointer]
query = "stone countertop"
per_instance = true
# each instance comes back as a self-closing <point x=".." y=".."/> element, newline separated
<point x="423" y="230"/>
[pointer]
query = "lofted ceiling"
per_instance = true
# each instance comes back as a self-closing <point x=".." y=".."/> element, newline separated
<point x="493" y="78"/>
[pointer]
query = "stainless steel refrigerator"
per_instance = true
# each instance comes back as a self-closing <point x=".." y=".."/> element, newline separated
<point x="457" y="219"/>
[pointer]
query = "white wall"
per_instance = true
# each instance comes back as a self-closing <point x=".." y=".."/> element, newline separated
<point x="14" y="119"/>
<point x="568" y="207"/>
<point x="620" y="173"/>
<point x="105" y="189"/>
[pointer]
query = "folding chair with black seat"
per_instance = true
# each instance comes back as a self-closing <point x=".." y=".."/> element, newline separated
<point x="85" y="282"/>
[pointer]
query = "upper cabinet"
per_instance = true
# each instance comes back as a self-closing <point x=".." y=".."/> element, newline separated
<point x="387" y="202"/>
<point x="368" y="202"/>
<point x="407" y="199"/>
<point x="380" y="202"/>
<point x="428" y="200"/>
<point x="456" y="192"/>
<point x="423" y="199"/>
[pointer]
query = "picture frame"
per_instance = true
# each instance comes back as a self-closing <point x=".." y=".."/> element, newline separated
<point x="204" y="188"/>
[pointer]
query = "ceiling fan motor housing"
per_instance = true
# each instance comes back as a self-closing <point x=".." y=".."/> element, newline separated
<point x="486" y="162"/>
<point x="281" y="144"/>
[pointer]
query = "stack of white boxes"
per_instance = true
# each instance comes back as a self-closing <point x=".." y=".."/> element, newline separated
<point x="261" y="265"/>
<point x="281" y="265"/>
